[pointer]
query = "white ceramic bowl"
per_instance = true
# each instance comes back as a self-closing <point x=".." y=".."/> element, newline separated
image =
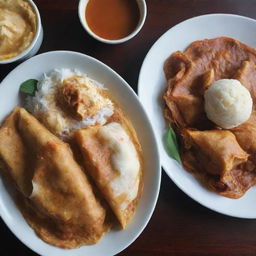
<point x="116" y="240"/>
<point x="36" y="43"/>
<point x="143" y="13"/>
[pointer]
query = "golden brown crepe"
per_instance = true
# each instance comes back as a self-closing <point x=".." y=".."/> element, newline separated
<point x="100" y="147"/>
<point x="219" y="157"/>
<point x="209" y="153"/>
<point x="13" y="155"/>
<point x="62" y="208"/>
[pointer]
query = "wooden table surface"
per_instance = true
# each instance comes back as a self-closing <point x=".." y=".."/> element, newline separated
<point x="179" y="225"/>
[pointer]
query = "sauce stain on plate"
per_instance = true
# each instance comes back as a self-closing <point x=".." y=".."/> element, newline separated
<point x="112" y="19"/>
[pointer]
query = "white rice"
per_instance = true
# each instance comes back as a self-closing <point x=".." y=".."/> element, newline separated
<point x="44" y="107"/>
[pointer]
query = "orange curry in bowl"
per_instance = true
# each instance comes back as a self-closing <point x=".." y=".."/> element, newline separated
<point x="112" y="19"/>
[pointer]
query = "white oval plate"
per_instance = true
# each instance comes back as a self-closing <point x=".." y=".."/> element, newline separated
<point x="114" y="241"/>
<point x="152" y="84"/>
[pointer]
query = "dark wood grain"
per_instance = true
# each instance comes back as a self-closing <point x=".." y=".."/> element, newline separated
<point x="179" y="225"/>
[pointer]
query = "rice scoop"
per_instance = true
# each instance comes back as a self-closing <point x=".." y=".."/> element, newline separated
<point x="228" y="103"/>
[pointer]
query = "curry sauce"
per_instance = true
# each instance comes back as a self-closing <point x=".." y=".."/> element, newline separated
<point x="112" y="19"/>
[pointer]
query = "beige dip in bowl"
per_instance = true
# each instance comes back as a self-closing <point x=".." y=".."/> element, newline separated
<point x="18" y="27"/>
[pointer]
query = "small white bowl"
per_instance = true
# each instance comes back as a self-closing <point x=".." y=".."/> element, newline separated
<point x="36" y="43"/>
<point x="143" y="13"/>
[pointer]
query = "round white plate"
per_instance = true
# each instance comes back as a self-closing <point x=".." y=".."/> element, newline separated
<point x="152" y="84"/>
<point x="114" y="241"/>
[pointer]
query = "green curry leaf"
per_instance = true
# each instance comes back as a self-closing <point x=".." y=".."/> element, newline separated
<point x="29" y="87"/>
<point x="171" y="144"/>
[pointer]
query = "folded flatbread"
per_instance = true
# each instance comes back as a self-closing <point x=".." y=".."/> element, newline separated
<point x="112" y="157"/>
<point x="220" y="160"/>
<point x="13" y="155"/>
<point x="61" y="206"/>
